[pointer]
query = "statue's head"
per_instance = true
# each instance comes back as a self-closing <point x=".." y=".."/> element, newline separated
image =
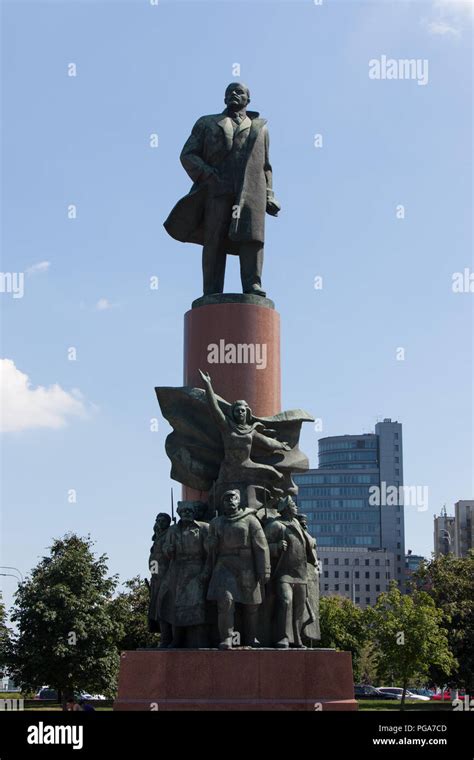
<point x="231" y="502"/>
<point x="287" y="506"/>
<point x="241" y="412"/>
<point x="237" y="96"/>
<point x="185" y="511"/>
<point x="303" y="519"/>
<point x="163" y="521"/>
<point x="200" y="510"/>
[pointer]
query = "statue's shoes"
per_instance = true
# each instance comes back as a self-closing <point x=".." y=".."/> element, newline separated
<point x="226" y="644"/>
<point x="256" y="291"/>
<point x="282" y="644"/>
<point x="255" y="644"/>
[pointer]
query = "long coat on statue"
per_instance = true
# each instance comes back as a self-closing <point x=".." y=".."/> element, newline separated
<point x="210" y="142"/>
<point x="240" y="559"/>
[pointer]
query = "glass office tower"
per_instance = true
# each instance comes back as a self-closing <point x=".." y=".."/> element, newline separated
<point x="343" y="508"/>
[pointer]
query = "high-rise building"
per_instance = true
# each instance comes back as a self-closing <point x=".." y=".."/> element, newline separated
<point x="345" y="501"/>
<point x="412" y="563"/>
<point x="463" y="527"/>
<point x="444" y="533"/>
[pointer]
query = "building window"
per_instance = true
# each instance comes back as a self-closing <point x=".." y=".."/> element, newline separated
<point x="367" y="599"/>
<point x="356" y="574"/>
<point x="396" y="447"/>
<point x="367" y="587"/>
<point x="356" y="562"/>
<point x="326" y="574"/>
<point x="326" y="586"/>
<point x="377" y="563"/>
<point x="325" y="561"/>
<point x="397" y="471"/>
<point x="336" y="587"/>
<point x="377" y="588"/>
<point x="336" y="573"/>
<point x="398" y="543"/>
<point x="397" y="460"/>
<point x="395" y="435"/>
<point x="387" y="575"/>
<point x="357" y="587"/>
<point x="367" y="562"/>
<point x="398" y="558"/>
<point x="377" y="575"/>
<point x="336" y="561"/>
<point x="387" y="561"/>
<point x="346" y="574"/>
<point x="357" y="599"/>
<point x="346" y="587"/>
<point x="367" y="575"/>
<point x="346" y="561"/>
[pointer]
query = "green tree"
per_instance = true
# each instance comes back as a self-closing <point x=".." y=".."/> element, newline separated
<point x="130" y="611"/>
<point x="343" y="627"/>
<point x="408" y="634"/>
<point x="449" y="581"/>
<point x="66" y="636"/>
<point x="367" y="663"/>
<point x="4" y="636"/>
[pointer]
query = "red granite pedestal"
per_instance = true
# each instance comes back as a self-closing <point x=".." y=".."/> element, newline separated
<point x="209" y="680"/>
<point x="236" y="339"/>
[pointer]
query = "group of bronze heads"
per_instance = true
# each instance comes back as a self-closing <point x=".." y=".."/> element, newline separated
<point x="235" y="580"/>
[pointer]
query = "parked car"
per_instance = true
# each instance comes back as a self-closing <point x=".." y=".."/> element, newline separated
<point x="46" y="693"/>
<point x="398" y="692"/>
<point x="446" y="695"/>
<point x="364" y="691"/>
<point x="423" y="692"/>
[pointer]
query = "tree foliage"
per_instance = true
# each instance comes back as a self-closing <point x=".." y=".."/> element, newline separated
<point x="66" y="636"/>
<point x="408" y="634"/>
<point x="130" y="611"/>
<point x="4" y="635"/>
<point x="343" y="627"/>
<point x="449" y="581"/>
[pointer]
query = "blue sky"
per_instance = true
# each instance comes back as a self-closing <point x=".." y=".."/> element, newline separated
<point x="387" y="282"/>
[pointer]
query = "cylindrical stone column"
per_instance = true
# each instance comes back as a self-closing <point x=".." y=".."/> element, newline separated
<point x="236" y="339"/>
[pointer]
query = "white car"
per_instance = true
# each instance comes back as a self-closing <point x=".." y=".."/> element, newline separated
<point x="399" y="692"/>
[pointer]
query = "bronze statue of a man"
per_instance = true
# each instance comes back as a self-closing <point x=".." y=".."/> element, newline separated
<point x="158" y="564"/>
<point x="227" y="157"/>
<point x="291" y="550"/>
<point x="240" y="561"/>
<point x="183" y="591"/>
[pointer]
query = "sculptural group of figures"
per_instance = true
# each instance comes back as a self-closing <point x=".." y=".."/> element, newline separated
<point x="235" y="580"/>
<point x="241" y="568"/>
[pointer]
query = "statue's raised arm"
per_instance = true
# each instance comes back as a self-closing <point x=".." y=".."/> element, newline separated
<point x="216" y="411"/>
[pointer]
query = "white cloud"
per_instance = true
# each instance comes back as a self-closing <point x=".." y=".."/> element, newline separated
<point x="26" y="408"/>
<point x="442" y="27"/>
<point x="449" y="17"/>
<point x="455" y="5"/>
<point x="103" y="305"/>
<point x="41" y="266"/>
